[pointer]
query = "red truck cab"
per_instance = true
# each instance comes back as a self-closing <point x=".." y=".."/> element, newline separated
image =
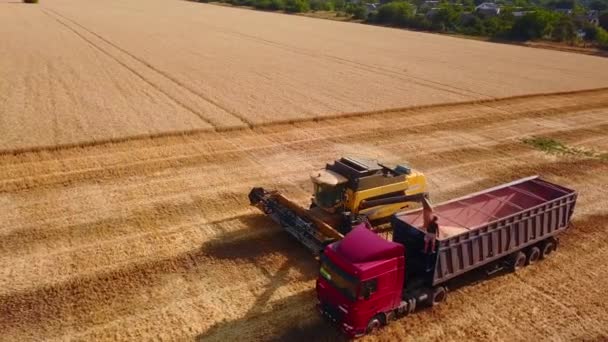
<point x="361" y="277"/>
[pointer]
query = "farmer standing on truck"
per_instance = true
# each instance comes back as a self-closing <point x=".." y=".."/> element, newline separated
<point x="431" y="235"/>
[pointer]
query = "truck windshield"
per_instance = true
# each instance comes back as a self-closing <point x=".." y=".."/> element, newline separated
<point x="342" y="281"/>
<point x="327" y="196"/>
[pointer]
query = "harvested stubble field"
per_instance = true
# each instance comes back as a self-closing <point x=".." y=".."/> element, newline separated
<point x="151" y="237"/>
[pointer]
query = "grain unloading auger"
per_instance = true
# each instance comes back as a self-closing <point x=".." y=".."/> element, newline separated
<point x="346" y="193"/>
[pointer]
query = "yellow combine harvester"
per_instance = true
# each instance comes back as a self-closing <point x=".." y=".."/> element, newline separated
<point x="345" y="193"/>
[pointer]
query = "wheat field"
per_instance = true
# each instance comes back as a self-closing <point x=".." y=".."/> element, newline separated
<point x="134" y="130"/>
<point x="75" y="71"/>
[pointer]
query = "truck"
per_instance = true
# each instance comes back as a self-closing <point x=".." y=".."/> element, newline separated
<point x="365" y="281"/>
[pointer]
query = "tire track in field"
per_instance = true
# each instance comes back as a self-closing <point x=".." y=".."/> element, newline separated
<point x="55" y="235"/>
<point x="151" y="67"/>
<point x="116" y="291"/>
<point x="47" y="307"/>
<point x="133" y="71"/>
<point x="49" y="233"/>
<point x="209" y="143"/>
<point x="141" y="76"/>
<point x="362" y="66"/>
<point x="581" y="96"/>
<point x="168" y="214"/>
<point x="91" y="300"/>
<point x="163" y="162"/>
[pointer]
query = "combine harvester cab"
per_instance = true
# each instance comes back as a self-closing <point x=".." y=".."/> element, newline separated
<point x="364" y="281"/>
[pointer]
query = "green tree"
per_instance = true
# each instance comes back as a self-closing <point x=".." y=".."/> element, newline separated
<point x="395" y="13"/>
<point x="474" y="26"/>
<point x="590" y="32"/>
<point x="564" y="30"/>
<point x="499" y="26"/>
<point x="269" y="5"/>
<point x="598" y="5"/>
<point x="521" y="3"/>
<point x="296" y="6"/>
<point x="447" y="18"/>
<point x="601" y="38"/>
<point x="535" y="25"/>
<point x="468" y="5"/>
<point x="419" y="22"/>
<point x="566" y="4"/>
<point x="604" y="20"/>
<point x="358" y="11"/>
<point x="321" y="5"/>
<point x="261" y="4"/>
<point x="339" y="5"/>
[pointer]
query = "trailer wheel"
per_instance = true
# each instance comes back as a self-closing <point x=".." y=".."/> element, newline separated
<point x="533" y="255"/>
<point x="440" y="293"/>
<point x="518" y="261"/>
<point x="548" y="248"/>
<point x="374" y="324"/>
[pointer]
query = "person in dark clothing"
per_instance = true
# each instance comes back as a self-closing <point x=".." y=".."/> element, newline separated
<point x="431" y="235"/>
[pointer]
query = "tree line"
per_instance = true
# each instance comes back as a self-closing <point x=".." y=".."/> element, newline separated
<point x="518" y="20"/>
<point x="512" y="23"/>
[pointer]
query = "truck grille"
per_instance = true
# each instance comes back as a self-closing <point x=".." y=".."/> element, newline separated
<point x="332" y="312"/>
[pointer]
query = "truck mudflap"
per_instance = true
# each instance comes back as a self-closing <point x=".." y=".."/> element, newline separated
<point x="294" y="219"/>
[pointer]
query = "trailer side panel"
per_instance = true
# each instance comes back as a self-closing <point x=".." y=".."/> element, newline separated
<point x="488" y="242"/>
<point x="465" y="252"/>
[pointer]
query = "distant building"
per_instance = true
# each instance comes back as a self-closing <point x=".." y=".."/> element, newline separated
<point x="593" y="17"/>
<point x="427" y="5"/>
<point x="432" y="12"/>
<point x="371" y="8"/>
<point x="565" y="11"/>
<point x="488" y="9"/>
<point x="467" y="17"/>
<point x="580" y="34"/>
<point x="518" y="14"/>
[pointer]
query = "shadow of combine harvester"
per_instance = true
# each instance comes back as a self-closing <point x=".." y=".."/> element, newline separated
<point x="291" y="318"/>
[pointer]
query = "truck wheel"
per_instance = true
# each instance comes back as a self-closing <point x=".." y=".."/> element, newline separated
<point x="518" y="261"/>
<point x="533" y="255"/>
<point x="548" y="248"/>
<point x="440" y="293"/>
<point x="374" y="324"/>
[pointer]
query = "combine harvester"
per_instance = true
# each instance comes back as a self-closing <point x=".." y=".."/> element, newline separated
<point x="346" y="193"/>
<point x="365" y="281"/>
